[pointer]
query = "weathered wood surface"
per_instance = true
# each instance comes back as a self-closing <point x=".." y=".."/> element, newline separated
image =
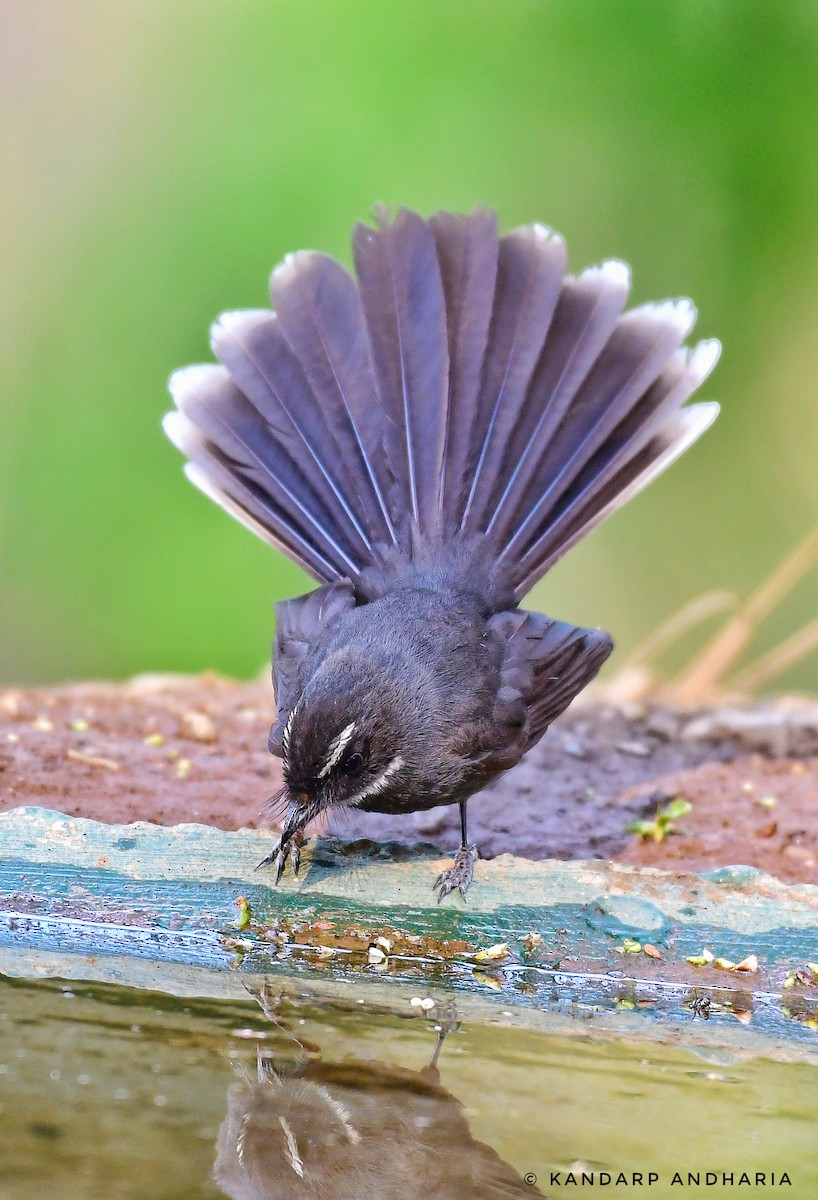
<point x="173" y="749"/>
<point x="155" y="907"/>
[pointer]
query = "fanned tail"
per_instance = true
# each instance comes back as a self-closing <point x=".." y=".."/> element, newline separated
<point x="462" y="392"/>
<point x="467" y="252"/>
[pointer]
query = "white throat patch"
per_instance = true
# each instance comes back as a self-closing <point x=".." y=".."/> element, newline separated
<point x="378" y="785"/>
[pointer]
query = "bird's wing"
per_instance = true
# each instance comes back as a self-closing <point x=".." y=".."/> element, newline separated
<point x="301" y="625"/>
<point x="545" y="664"/>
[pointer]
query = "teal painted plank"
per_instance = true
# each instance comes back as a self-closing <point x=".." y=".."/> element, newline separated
<point x="162" y="900"/>
<point x="744" y="900"/>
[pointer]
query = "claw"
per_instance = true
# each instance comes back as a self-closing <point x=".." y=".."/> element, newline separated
<point x="280" y="861"/>
<point x="459" y="875"/>
<point x="288" y="847"/>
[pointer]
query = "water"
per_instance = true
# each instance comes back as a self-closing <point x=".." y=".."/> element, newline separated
<point x="108" y="1092"/>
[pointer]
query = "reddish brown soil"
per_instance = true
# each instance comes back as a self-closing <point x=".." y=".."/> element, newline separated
<point x="217" y="774"/>
<point x="728" y="824"/>
<point x="172" y="750"/>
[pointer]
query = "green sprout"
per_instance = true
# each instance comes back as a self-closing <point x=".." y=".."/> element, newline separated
<point x="245" y="912"/>
<point x="663" y="823"/>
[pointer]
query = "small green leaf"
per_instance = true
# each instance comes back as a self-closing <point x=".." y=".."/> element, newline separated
<point x="677" y="808"/>
<point x="245" y="912"/>
<point x="643" y="828"/>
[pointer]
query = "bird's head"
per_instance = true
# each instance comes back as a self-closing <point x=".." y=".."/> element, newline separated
<point x="348" y="740"/>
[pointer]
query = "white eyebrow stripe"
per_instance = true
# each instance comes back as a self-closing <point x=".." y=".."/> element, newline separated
<point x="379" y="784"/>
<point x="285" y="737"/>
<point x="240" y="1139"/>
<point x="342" y="1112"/>
<point x="337" y="748"/>
<point x="296" y="1161"/>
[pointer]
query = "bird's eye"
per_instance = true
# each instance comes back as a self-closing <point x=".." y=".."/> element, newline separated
<point x="352" y="765"/>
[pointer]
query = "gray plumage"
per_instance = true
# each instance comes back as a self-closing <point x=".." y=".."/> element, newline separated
<point x="426" y="440"/>
<point x="357" y="1130"/>
<point x="458" y="357"/>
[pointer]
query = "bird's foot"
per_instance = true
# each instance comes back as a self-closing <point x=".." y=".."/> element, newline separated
<point x="288" y="847"/>
<point x="270" y="1000"/>
<point x="459" y="875"/>
<point x="446" y="1018"/>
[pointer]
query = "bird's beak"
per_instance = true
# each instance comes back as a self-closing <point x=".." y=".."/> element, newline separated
<point x="296" y="808"/>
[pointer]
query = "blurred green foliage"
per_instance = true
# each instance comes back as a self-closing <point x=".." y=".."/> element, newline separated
<point x="159" y="158"/>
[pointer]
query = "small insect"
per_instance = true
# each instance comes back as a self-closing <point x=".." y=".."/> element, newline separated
<point x="701" y="1007"/>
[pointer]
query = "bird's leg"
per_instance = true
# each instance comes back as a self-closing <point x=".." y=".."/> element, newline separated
<point x="446" y="1023"/>
<point x="289" y="845"/>
<point x="460" y="874"/>
<point x="271" y="1004"/>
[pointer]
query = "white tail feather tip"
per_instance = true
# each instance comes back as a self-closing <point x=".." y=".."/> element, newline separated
<point x="698" y="418"/>
<point x="189" y="379"/>
<point x="228" y="324"/>
<point x="681" y="313"/>
<point x="289" y="265"/>
<point x="703" y="358"/>
<point x="173" y="424"/>
<point x="544" y="233"/>
<point x="618" y="272"/>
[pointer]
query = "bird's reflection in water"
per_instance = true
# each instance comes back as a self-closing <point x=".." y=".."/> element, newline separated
<point x="354" y="1131"/>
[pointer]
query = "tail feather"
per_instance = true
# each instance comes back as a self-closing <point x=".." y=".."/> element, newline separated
<point x="209" y="428"/>
<point x="586" y="316"/>
<point x="402" y="295"/>
<point x="252" y="347"/>
<point x="461" y="392"/>
<point x="467" y="248"/>
<point x="256" y="515"/>
<point x="680" y="432"/>
<point x="320" y="311"/>
<point x="683" y="374"/>
<point x="640" y="346"/>
<point x="530" y="270"/>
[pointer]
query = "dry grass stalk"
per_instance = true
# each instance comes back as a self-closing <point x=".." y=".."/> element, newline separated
<point x="776" y="661"/>
<point x="694" y="613"/>
<point x="701" y="679"/>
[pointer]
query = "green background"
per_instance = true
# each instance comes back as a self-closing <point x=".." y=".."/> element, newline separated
<point x="158" y="158"/>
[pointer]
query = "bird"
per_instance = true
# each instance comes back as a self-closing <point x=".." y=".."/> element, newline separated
<point x="426" y="438"/>
<point x="358" y="1129"/>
